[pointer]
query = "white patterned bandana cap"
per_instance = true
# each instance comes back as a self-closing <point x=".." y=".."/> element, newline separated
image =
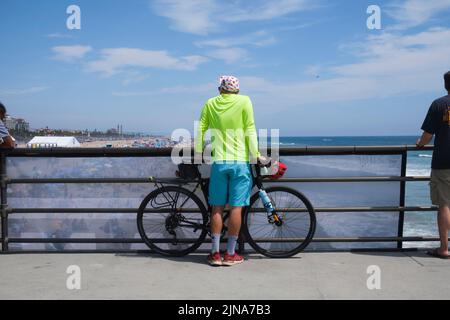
<point x="229" y="83"/>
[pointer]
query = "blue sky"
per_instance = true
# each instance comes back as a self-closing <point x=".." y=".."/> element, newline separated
<point x="311" y="67"/>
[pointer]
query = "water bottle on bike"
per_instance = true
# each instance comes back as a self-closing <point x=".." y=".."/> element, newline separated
<point x="274" y="170"/>
<point x="266" y="201"/>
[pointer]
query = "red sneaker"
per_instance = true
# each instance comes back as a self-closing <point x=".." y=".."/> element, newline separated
<point x="215" y="259"/>
<point x="229" y="260"/>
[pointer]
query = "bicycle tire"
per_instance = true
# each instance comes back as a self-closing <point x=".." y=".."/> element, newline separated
<point x="175" y="250"/>
<point x="273" y="253"/>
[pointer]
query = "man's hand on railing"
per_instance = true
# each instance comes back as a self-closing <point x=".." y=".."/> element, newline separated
<point x="418" y="145"/>
<point x="424" y="139"/>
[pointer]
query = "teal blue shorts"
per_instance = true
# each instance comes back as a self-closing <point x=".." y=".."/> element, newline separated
<point x="230" y="183"/>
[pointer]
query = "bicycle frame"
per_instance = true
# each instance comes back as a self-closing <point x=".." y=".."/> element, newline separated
<point x="203" y="183"/>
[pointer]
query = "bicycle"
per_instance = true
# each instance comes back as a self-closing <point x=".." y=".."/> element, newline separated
<point x="172" y="220"/>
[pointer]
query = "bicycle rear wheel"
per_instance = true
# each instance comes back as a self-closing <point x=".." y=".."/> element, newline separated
<point x="292" y="235"/>
<point x="178" y="227"/>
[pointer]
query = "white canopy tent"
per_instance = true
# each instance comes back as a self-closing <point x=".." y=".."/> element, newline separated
<point x="53" y="142"/>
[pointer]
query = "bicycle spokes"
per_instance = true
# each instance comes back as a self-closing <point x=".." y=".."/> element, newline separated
<point x="282" y="229"/>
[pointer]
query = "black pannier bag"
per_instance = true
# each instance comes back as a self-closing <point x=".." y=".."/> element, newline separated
<point x="187" y="171"/>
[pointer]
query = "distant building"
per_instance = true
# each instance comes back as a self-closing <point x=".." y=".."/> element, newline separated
<point x="53" y="142"/>
<point x="112" y="131"/>
<point x="16" y="124"/>
<point x="115" y="131"/>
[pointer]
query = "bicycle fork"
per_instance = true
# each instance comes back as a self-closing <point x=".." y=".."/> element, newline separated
<point x="272" y="216"/>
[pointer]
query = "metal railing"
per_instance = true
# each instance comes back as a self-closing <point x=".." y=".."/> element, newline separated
<point x="5" y="181"/>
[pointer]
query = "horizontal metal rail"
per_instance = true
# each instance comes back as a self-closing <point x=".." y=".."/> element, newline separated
<point x="197" y="210"/>
<point x="175" y="181"/>
<point x="129" y="252"/>
<point x="167" y="152"/>
<point x="190" y="240"/>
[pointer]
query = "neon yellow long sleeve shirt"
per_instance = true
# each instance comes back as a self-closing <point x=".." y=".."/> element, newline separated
<point x="233" y="133"/>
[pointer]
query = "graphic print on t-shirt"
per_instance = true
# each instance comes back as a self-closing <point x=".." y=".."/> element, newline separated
<point x="446" y="116"/>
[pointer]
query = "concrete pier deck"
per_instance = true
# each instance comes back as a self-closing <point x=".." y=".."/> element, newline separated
<point x="403" y="275"/>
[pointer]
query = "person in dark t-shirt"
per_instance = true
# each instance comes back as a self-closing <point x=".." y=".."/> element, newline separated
<point x="437" y="123"/>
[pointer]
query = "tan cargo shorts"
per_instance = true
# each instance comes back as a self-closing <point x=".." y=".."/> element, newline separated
<point x="440" y="187"/>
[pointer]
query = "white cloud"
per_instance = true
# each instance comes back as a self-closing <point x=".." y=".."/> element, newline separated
<point x="411" y="13"/>
<point x="389" y="65"/>
<point x="228" y="49"/>
<point x="193" y="16"/>
<point x="390" y="55"/>
<point x="298" y="26"/>
<point x="19" y="92"/>
<point x="205" y="16"/>
<point x="134" y="77"/>
<point x="58" y="35"/>
<point x="70" y="53"/>
<point x="266" y="10"/>
<point x="258" y="39"/>
<point x="115" y="60"/>
<point x="199" y="88"/>
<point x="229" y="55"/>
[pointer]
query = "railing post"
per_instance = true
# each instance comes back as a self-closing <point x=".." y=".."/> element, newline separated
<point x="401" y="218"/>
<point x="3" y="202"/>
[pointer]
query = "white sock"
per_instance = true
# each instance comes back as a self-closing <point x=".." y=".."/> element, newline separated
<point x="231" y="245"/>
<point x="215" y="241"/>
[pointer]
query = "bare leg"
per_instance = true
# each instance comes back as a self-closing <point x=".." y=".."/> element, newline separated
<point x="234" y="221"/>
<point x="216" y="219"/>
<point x="444" y="226"/>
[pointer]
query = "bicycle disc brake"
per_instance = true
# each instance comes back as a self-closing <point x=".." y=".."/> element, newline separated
<point x="275" y="219"/>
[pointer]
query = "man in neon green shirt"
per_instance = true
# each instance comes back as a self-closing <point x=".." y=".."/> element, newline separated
<point x="229" y="116"/>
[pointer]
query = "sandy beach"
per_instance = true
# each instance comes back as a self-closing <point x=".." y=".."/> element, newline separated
<point x="114" y="143"/>
<point x="120" y="143"/>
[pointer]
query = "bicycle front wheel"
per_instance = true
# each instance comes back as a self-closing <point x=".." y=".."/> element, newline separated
<point x="172" y="221"/>
<point x="291" y="235"/>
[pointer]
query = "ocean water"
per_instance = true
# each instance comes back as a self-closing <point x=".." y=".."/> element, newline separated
<point x="418" y="164"/>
